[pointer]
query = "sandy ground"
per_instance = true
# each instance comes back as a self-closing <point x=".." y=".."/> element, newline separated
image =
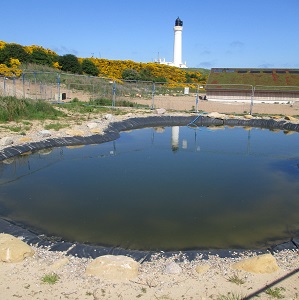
<point x="189" y="103"/>
<point x="24" y="280"/>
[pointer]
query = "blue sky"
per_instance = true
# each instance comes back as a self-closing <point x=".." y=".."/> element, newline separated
<point x="216" y="33"/>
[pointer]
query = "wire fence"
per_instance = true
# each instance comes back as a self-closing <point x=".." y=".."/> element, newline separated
<point x="225" y="98"/>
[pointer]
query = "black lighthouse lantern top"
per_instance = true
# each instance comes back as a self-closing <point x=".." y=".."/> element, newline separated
<point x="178" y="22"/>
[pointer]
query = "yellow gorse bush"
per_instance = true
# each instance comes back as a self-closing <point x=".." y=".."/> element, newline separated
<point x="113" y="69"/>
<point x="2" y="44"/>
<point x="30" y="49"/>
<point x="11" y="71"/>
<point x="56" y="65"/>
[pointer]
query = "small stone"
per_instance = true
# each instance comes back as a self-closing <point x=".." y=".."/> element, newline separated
<point x="202" y="268"/>
<point x="6" y="141"/>
<point x="108" y="117"/>
<point x="160" y="111"/>
<point x="24" y="140"/>
<point x="13" y="249"/>
<point x="216" y="115"/>
<point x="290" y="118"/>
<point x="265" y="263"/>
<point x="96" y="130"/>
<point x="114" y="267"/>
<point x="248" y="117"/>
<point x="45" y="133"/>
<point x="74" y="132"/>
<point x="92" y="125"/>
<point x="173" y="268"/>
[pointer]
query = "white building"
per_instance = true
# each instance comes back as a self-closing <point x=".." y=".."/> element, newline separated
<point x="177" y="47"/>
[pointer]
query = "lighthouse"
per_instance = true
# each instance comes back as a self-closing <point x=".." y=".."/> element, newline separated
<point x="177" y="45"/>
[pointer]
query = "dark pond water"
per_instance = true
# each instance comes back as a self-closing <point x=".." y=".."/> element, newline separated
<point x="164" y="188"/>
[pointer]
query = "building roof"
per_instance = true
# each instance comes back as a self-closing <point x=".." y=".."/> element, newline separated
<point x="270" y="78"/>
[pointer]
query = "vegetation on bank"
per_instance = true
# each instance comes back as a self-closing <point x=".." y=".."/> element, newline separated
<point x="14" y="109"/>
<point x="15" y="58"/>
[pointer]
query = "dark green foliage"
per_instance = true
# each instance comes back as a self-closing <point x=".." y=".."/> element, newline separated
<point x="130" y="74"/>
<point x="40" y="57"/>
<point x="190" y="76"/>
<point x="160" y="79"/>
<point x="70" y="63"/>
<point x="120" y="103"/>
<point x="13" y="109"/>
<point x="101" y="102"/>
<point x="13" y="51"/>
<point x="146" y="75"/>
<point x="88" y="67"/>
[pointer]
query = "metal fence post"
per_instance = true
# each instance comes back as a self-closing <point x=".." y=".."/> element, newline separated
<point x="4" y="86"/>
<point x="113" y="94"/>
<point x="14" y="86"/>
<point x="252" y="96"/>
<point x="153" y="95"/>
<point x="35" y="85"/>
<point x="196" y="101"/>
<point x="23" y="84"/>
<point x="58" y="86"/>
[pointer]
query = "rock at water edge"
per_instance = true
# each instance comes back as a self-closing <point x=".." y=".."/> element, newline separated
<point x="13" y="249"/>
<point x="113" y="267"/>
<point x="265" y="263"/>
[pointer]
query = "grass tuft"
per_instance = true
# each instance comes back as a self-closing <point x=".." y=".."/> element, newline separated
<point x="236" y="279"/>
<point x="56" y="126"/>
<point x="230" y="296"/>
<point x="50" y="278"/>
<point x="276" y="292"/>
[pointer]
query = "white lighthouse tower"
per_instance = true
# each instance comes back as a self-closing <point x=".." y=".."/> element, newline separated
<point x="177" y="45"/>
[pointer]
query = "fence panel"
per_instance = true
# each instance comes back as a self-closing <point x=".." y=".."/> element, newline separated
<point x="190" y="97"/>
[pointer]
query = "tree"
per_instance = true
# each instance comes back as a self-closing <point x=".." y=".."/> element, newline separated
<point x="130" y="74"/>
<point x="89" y="67"/>
<point x="40" y="57"/>
<point x="13" y="51"/>
<point x="146" y="74"/>
<point x="70" y="63"/>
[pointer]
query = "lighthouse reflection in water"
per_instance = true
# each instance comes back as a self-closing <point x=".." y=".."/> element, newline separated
<point x="169" y="188"/>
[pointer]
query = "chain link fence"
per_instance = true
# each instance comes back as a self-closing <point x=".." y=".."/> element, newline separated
<point x="191" y="97"/>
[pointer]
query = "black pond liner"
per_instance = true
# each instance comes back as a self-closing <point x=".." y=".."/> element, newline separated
<point x="110" y="134"/>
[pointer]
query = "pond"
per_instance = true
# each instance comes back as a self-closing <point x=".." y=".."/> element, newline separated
<point x="172" y="188"/>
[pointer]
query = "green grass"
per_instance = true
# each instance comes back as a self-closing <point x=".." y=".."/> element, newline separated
<point x="93" y="106"/>
<point x="276" y="292"/>
<point x="230" y="296"/>
<point x="56" y="126"/>
<point x="13" y="109"/>
<point x="12" y="128"/>
<point x="236" y="279"/>
<point x="50" y="278"/>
